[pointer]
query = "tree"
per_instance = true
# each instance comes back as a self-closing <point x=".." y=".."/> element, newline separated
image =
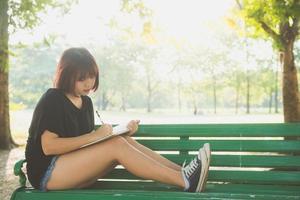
<point x="36" y="60"/>
<point x="278" y="20"/>
<point x="16" y="15"/>
<point x="146" y="62"/>
<point x="115" y="62"/>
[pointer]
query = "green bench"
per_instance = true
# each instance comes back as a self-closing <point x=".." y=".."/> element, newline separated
<point x="249" y="161"/>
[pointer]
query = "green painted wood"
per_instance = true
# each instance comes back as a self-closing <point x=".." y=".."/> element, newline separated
<point x="257" y="177"/>
<point x="244" y="160"/>
<point x="254" y="177"/>
<point x="220" y="130"/>
<point x="224" y="145"/>
<point x="225" y="188"/>
<point x="184" y="152"/>
<point x="242" y="184"/>
<point x="19" y="172"/>
<point x="214" y="191"/>
<point x="256" y="161"/>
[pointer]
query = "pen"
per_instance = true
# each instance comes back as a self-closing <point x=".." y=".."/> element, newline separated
<point x="99" y="116"/>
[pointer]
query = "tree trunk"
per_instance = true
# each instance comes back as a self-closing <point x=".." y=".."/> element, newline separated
<point x="105" y="101"/>
<point x="276" y="92"/>
<point x="291" y="99"/>
<point x="149" y="96"/>
<point x="6" y="141"/>
<point x="179" y="94"/>
<point x="270" y="100"/>
<point x="237" y="96"/>
<point x="123" y="106"/>
<point x="149" y="107"/>
<point x="195" y="111"/>
<point x="248" y="93"/>
<point x="215" y="95"/>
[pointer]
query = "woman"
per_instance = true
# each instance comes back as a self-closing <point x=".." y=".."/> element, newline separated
<point x="63" y="122"/>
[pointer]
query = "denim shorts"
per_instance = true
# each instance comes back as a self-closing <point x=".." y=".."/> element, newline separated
<point x="45" y="178"/>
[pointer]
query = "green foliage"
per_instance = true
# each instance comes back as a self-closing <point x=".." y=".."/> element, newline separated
<point x="31" y="73"/>
<point x="138" y="6"/>
<point x="24" y="14"/>
<point x="270" y="18"/>
<point x="33" y="68"/>
<point x="126" y="62"/>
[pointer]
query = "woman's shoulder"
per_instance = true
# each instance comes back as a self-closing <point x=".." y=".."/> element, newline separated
<point x="53" y="92"/>
<point x="87" y="104"/>
<point x="87" y="100"/>
<point x="52" y="95"/>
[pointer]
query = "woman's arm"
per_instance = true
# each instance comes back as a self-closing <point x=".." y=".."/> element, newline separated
<point x="52" y="144"/>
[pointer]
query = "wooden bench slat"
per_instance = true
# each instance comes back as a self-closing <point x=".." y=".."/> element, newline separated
<point x="255" y="177"/>
<point x="211" y="187"/>
<point x="220" y="130"/>
<point x="259" y="177"/>
<point x="143" y="191"/>
<point x="224" y="145"/>
<point x="244" y="160"/>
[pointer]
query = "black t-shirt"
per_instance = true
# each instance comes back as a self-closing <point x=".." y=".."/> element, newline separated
<point x="56" y="113"/>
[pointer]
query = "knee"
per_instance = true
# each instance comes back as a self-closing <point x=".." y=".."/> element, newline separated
<point x="119" y="144"/>
<point x="119" y="140"/>
<point x="127" y="138"/>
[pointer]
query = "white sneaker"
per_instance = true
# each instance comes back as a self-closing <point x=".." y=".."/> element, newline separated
<point x="204" y="171"/>
<point x="206" y="148"/>
<point x="191" y="174"/>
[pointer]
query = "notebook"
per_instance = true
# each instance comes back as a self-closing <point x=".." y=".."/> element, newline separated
<point x="117" y="130"/>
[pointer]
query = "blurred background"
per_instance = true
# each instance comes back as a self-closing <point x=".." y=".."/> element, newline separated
<point x="160" y="61"/>
<point x="170" y="61"/>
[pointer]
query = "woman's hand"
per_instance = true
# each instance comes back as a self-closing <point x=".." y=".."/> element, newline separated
<point x="103" y="130"/>
<point x="133" y="126"/>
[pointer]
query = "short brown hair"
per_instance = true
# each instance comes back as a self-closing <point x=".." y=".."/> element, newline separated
<point x="75" y="64"/>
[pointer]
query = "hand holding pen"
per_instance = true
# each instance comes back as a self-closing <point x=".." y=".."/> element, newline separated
<point x="99" y="117"/>
<point x="105" y="129"/>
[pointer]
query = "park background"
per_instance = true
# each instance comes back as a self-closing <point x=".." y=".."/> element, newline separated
<point x="162" y="62"/>
<point x="159" y="61"/>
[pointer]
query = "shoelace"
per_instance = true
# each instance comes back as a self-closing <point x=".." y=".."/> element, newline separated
<point x="190" y="168"/>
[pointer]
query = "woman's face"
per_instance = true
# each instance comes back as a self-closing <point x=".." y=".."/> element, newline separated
<point x="84" y="86"/>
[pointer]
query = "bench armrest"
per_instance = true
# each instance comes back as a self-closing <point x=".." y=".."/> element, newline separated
<point x="19" y="172"/>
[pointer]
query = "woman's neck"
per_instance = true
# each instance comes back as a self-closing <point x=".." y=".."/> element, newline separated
<point x="76" y="100"/>
<point x="73" y="96"/>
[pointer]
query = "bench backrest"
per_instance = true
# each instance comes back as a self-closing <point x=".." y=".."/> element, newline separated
<point x="241" y="153"/>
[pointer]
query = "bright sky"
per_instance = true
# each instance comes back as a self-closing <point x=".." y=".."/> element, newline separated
<point x="190" y="21"/>
<point x="181" y="19"/>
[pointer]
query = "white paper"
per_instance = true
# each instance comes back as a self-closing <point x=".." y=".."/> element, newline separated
<point x="117" y="130"/>
<point x="120" y="129"/>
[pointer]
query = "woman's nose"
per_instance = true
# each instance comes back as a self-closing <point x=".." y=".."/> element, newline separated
<point x="89" y="82"/>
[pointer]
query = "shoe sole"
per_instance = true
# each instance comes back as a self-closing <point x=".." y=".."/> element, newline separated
<point x="206" y="148"/>
<point x="207" y="151"/>
<point x="204" y="169"/>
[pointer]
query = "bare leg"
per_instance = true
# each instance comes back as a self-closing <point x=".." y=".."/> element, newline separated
<point x="153" y="154"/>
<point x="93" y="161"/>
<point x="92" y="181"/>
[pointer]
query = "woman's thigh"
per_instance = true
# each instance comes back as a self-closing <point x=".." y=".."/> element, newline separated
<point x="83" y="166"/>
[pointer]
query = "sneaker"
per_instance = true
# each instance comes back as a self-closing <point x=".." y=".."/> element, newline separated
<point x="194" y="171"/>
<point x="206" y="148"/>
<point x="206" y="163"/>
